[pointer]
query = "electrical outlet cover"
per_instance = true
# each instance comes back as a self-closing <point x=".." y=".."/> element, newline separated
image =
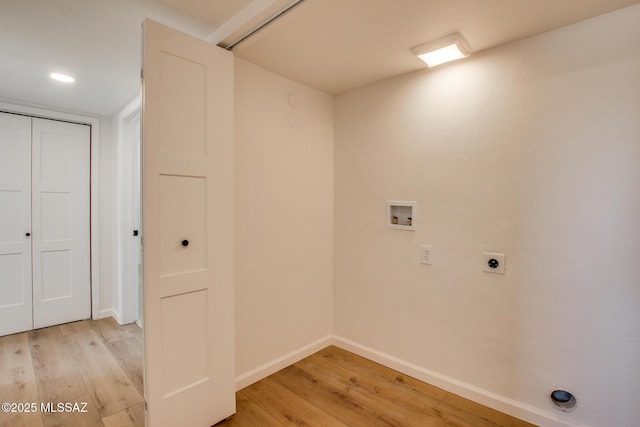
<point x="493" y="262"/>
<point x="425" y="254"/>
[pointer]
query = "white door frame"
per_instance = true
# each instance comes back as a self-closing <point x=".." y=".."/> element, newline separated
<point x="94" y="123"/>
<point x="126" y="301"/>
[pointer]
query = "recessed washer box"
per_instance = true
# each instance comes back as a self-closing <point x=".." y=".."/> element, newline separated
<point x="401" y="215"/>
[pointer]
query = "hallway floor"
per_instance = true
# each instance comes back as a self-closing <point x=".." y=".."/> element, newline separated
<point x="94" y="366"/>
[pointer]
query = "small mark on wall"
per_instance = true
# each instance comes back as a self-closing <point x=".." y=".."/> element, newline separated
<point x="294" y="117"/>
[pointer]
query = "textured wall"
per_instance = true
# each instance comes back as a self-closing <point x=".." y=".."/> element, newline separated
<point x="531" y="149"/>
<point x="284" y="215"/>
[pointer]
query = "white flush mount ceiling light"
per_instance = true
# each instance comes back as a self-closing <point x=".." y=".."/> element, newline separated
<point x="62" y="77"/>
<point x="443" y="50"/>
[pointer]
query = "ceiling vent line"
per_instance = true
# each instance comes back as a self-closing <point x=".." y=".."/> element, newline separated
<point x="263" y="24"/>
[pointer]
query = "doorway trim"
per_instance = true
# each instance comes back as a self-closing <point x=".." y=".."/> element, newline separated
<point x="94" y="124"/>
<point x="126" y="300"/>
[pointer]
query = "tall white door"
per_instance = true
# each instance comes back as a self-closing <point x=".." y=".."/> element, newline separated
<point x="15" y="224"/>
<point x="187" y="224"/>
<point x="60" y="218"/>
<point x="44" y="230"/>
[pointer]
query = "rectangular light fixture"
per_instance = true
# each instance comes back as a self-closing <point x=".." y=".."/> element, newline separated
<point x="443" y="50"/>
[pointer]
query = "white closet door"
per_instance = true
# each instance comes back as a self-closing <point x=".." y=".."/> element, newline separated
<point x="61" y="237"/>
<point x="187" y="186"/>
<point x="15" y="223"/>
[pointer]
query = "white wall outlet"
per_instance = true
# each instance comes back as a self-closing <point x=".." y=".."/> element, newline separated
<point x="493" y="262"/>
<point x="425" y="254"/>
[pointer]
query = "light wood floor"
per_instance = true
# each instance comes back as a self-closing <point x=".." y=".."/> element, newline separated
<point x="337" y="388"/>
<point x="100" y="362"/>
<point x="97" y="362"/>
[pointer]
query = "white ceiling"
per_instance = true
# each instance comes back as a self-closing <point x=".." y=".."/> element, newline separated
<point x="212" y="13"/>
<point x="338" y="45"/>
<point x="332" y="45"/>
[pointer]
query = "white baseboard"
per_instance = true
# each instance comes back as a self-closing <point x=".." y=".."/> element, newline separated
<point x="500" y="403"/>
<point x="110" y="312"/>
<point x="255" y="375"/>
<point x="107" y="312"/>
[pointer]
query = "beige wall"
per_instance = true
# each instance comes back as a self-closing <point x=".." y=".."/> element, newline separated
<point x="284" y="216"/>
<point x="533" y="150"/>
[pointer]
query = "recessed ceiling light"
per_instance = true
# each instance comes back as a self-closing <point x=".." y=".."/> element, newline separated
<point x="443" y="50"/>
<point x="62" y="77"/>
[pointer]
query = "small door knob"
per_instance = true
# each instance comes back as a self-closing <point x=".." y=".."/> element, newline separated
<point x="27" y="234"/>
<point x="185" y="243"/>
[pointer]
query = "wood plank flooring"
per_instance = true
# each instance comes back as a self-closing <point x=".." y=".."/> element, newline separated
<point x="97" y="362"/>
<point x="337" y="388"/>
<point x="100" y="362"/>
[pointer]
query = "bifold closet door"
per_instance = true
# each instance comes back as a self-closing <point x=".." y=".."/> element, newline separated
<point x="60" y="222"/>
<point x="187" y="225"/>
<point x="44" y="226"/>
<point x="15" y="224"/>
